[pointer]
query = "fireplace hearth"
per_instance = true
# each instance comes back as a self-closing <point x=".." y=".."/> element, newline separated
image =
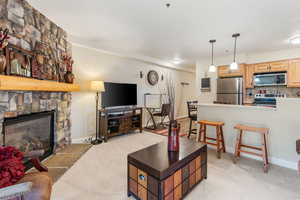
<point x="30" y="132"/>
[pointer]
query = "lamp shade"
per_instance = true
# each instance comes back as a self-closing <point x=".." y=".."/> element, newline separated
<point x="212" y="68"/>
<point x="97" y="86"/>
<point x="234" y="66"/>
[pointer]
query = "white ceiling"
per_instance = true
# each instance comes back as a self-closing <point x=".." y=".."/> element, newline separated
<point x="146" y="28"/>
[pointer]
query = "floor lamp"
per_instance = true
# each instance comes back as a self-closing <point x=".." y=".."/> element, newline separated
<point x="97" y="86"/>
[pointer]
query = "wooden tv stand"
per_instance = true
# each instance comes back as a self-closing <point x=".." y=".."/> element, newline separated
<point x="118" y="121"/>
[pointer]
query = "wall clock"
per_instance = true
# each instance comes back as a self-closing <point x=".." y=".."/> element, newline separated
<point x="152" y="77"/>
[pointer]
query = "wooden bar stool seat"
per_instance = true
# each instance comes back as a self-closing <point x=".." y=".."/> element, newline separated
<point x="218" y="141"/>
<point x="263" y="149"/>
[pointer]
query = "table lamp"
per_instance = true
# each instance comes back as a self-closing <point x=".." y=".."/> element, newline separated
<point x="97" y="86"/>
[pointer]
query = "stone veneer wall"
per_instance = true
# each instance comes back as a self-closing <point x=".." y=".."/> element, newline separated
<point x="27" y="26"/>
<point x="17" y="103"/>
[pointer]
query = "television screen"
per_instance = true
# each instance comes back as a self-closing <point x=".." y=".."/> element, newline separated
<point x="119" y="94"/>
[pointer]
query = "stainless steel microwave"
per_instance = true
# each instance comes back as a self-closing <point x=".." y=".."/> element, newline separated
<point x="270" y="79"/>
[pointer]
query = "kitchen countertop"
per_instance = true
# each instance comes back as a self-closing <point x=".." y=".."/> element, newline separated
<point x="281" y="102"/>
<point x="252" y="107"/>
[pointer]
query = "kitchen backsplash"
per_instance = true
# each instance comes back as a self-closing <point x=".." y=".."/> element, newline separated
<point x="288" y="92"/>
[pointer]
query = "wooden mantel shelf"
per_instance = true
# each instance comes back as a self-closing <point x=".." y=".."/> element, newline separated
<point x="29" y="84"/>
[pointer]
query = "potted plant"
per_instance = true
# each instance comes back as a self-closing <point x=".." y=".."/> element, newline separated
<point x="69" y="76"/>
<point x="174" y="126"/>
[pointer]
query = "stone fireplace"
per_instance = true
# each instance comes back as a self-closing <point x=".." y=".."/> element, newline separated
<point x="28" y="114"/>
<point x="30" y="30"/>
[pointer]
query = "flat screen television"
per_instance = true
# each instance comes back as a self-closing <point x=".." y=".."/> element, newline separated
<point x="119" y="94"/>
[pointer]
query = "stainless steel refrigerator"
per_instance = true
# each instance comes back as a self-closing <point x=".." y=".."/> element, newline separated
<point x="230" y="91"/>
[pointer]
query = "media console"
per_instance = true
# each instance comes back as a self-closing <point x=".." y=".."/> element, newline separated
<point x="118" y="121"/>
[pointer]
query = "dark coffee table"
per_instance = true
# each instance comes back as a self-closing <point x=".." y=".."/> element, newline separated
<point x="156" y="174"/>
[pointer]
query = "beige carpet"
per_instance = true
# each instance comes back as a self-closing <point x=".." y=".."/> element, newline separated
<point x="101" y="174"/>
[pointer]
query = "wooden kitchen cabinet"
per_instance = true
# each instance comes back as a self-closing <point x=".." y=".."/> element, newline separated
<point x="294" y="73"/>
<point x="224" y="71"/>
<point x="279" y="66"/>
<point x="249" y="72"/>
<point x="261" y="68"/>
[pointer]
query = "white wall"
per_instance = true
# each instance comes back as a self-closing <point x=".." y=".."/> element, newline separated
<point x="95" y="65"/>
<point x="202" y="67"/>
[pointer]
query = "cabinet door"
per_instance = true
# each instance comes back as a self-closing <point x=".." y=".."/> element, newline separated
<point x="223" y="71"/>
<point x="239" y="71"/>
<point x="294" y="73"/>
<point x="279" y="66"/>
<point x="261" y="68"/>
<point x="142" y="178"/>
<point x="142" y="193"/>
<point x="249" y="76"/>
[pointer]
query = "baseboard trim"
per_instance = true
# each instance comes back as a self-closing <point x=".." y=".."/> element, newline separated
<point x="80" y="140"/>
<point x="182" y="117"/>
<point x="273" y="160"/>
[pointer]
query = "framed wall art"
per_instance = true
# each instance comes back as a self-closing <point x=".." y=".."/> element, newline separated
<point x="19" y="62"/>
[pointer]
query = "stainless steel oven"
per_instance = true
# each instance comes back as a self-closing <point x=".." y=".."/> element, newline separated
<point x="270" y="79"/>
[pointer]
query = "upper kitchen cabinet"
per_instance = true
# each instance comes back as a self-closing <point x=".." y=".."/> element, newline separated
<point x="278" y="66"/>
<point x="225" y="71"/>
<point x="294" y="73"/>
<point x="261" y="68"/>
<point x="249" y="71"/>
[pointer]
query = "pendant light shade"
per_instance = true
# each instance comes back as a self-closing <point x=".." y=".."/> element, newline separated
<point x="212" y="67"/>
<point x="234" y="65"/>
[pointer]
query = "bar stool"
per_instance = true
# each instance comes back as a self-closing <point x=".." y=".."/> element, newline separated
<point x="220" y="144"/>
<point x="192" y="113"/>
<point x="263" y="148"/>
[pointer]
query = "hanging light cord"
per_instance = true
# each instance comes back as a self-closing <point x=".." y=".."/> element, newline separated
<point x="234" y="56"/>
<point x="236" y="35"/>
<point x="212" y="53"/>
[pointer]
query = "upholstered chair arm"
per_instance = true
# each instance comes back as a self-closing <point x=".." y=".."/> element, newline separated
<point x="15" y="191"/>
<point x="34" y="159"/>
<point x="34" y="154"/>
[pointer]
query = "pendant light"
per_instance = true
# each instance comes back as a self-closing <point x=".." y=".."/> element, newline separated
<point x="234" y="65"/>
<point x="212" y="67"/>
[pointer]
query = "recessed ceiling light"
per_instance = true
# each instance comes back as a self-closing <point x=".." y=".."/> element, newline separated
<point x="177" y="61"/>
<point x="295" y="39"/>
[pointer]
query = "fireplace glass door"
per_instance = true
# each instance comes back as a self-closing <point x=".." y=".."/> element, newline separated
<point x="30" y="132"/>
